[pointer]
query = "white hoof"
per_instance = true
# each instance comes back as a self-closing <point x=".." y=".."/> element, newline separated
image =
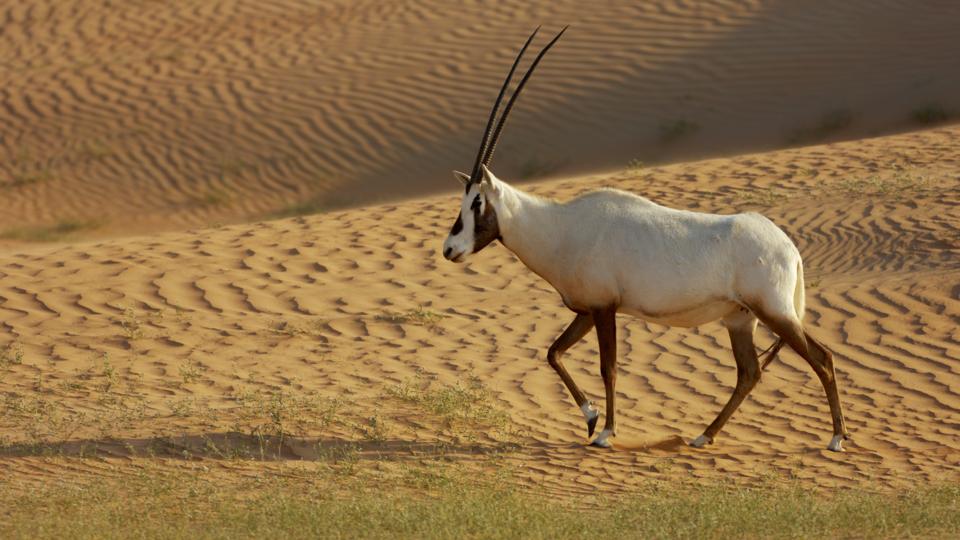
<point x="836" y="443"/>
<point x="590" y="414"/>
<point x="701" y="441"/>
<point x="603" y="439"/>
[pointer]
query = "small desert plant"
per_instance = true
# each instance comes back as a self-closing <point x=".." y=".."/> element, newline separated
<point x="674" y="130"/>
<point x="302" y="208"/>
<point x="635" y="165"/>
<point x="170" y="53"/>
<point x="761" y="196"/>
<point x="94" y="149"/>
<point x="829" y="124"/>
<point x="373" y="429"/>
<point x="190" y="371"/>
<point x="184" y="407"/>
<point x="110" y="376"/>
<point x="29" y="169"/>
<point x="418" y="316"/>
<point x="345" y="456"/>
<point x="286" y="328"/>
<point x="12" y="355"/>
<point x="131" y="325"/>
<point x="230" y="166"/>
<point x="536" y="167"/>
<point x="212" y="197"/>
<point x="25" y="177"/>
<point x="930" y="113"/>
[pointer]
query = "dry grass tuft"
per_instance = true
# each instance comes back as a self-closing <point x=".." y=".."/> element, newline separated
<point x="418" y="316"/>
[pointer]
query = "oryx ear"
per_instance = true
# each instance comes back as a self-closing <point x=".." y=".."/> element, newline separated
<point x="489" y="183"/>
<point x="464" y="178"/>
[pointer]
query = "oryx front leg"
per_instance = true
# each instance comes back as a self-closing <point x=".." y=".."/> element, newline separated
<point x="574" y="333"/>
<point x="606" y="323"/>
<point x="740" y="326"/>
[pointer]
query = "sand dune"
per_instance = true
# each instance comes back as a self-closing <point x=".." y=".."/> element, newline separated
<point x="130" y="343"/>
<point x="131" y="116"/>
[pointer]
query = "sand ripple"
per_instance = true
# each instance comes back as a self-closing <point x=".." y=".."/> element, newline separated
<point x="300" y="303"/>
<point x="138" y="116"/>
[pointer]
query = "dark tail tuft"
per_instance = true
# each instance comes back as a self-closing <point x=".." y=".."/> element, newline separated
<point x="771" y="353"/>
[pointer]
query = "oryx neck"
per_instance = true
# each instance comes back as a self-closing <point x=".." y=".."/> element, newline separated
<point x="526" y="224"/>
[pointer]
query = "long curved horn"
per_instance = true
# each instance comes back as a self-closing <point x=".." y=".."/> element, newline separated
<point x="488" y="154"/>
<point x="475" y="175"/>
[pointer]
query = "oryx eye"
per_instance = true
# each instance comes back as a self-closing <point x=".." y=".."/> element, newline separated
<point x="476" y="203"/>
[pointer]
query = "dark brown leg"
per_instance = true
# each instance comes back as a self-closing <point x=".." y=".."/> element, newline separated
<point x="574" y="333"/>
<point x="748" y="375"/>
<point x="823" y="366"/>
<point x="606" y="323"/>
<point x="821" y="360"/>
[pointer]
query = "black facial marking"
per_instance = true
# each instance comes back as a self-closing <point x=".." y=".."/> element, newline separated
<point x="485" y="229"/>
<point x="457" y="226"/>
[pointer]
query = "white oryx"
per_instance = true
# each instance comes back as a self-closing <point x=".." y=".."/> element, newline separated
<point x="610" y="251"/>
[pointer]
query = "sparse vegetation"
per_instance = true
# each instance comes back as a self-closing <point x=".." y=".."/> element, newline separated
<point x="829" y="124"/>
<point x="132" y="326"/>
<point x="49" y="233"/>
<point x="537" y="167"/>
<point x="212" y="197"/>
<point x="28" y="169"/>
<point x="12" y="355"/>
<point x="469" y="401"/>
<point x="901" y="182"/>
<point x="418" y="316"/>
<point x="331" y="504"/>
<point x="313" y="205"/>
<point x="303" y="208"/>
<point x="94" y="149"/>
<point x="190" y="371"/>
<point x="374" y="429"/>
<point x="110" y="378"/>
<point x="765" y="197"/>
<point x="674" y="130"/>
<point x="635" y="165"/>
<point x="169" y="53"/>
<point x="274" y="416"/>
<point x="231" y="166"/>
<point x="293" y="329"/>
<point x="25" y="177"/>
<point x="930" y="114"/>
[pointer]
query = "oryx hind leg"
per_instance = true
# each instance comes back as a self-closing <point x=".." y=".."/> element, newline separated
<point x="821" y="360"/>
<point x="740" y="325"/>
<point x="574" y="333"/>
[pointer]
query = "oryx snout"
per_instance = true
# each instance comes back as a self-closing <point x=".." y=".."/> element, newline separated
<point x="452" y="252"/>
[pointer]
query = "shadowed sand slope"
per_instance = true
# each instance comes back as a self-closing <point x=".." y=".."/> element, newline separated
<point x="120" y="344"/>
<point x="142" y="115"/>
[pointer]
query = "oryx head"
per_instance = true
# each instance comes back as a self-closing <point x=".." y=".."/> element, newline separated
<point x="476" y="225"/>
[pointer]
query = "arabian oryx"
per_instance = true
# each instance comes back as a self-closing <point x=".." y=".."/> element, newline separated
<point x="610" y="251"/>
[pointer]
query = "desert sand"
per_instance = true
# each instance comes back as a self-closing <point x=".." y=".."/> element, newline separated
<point x="141" y="116"/>
<point x="142" y="349"/>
